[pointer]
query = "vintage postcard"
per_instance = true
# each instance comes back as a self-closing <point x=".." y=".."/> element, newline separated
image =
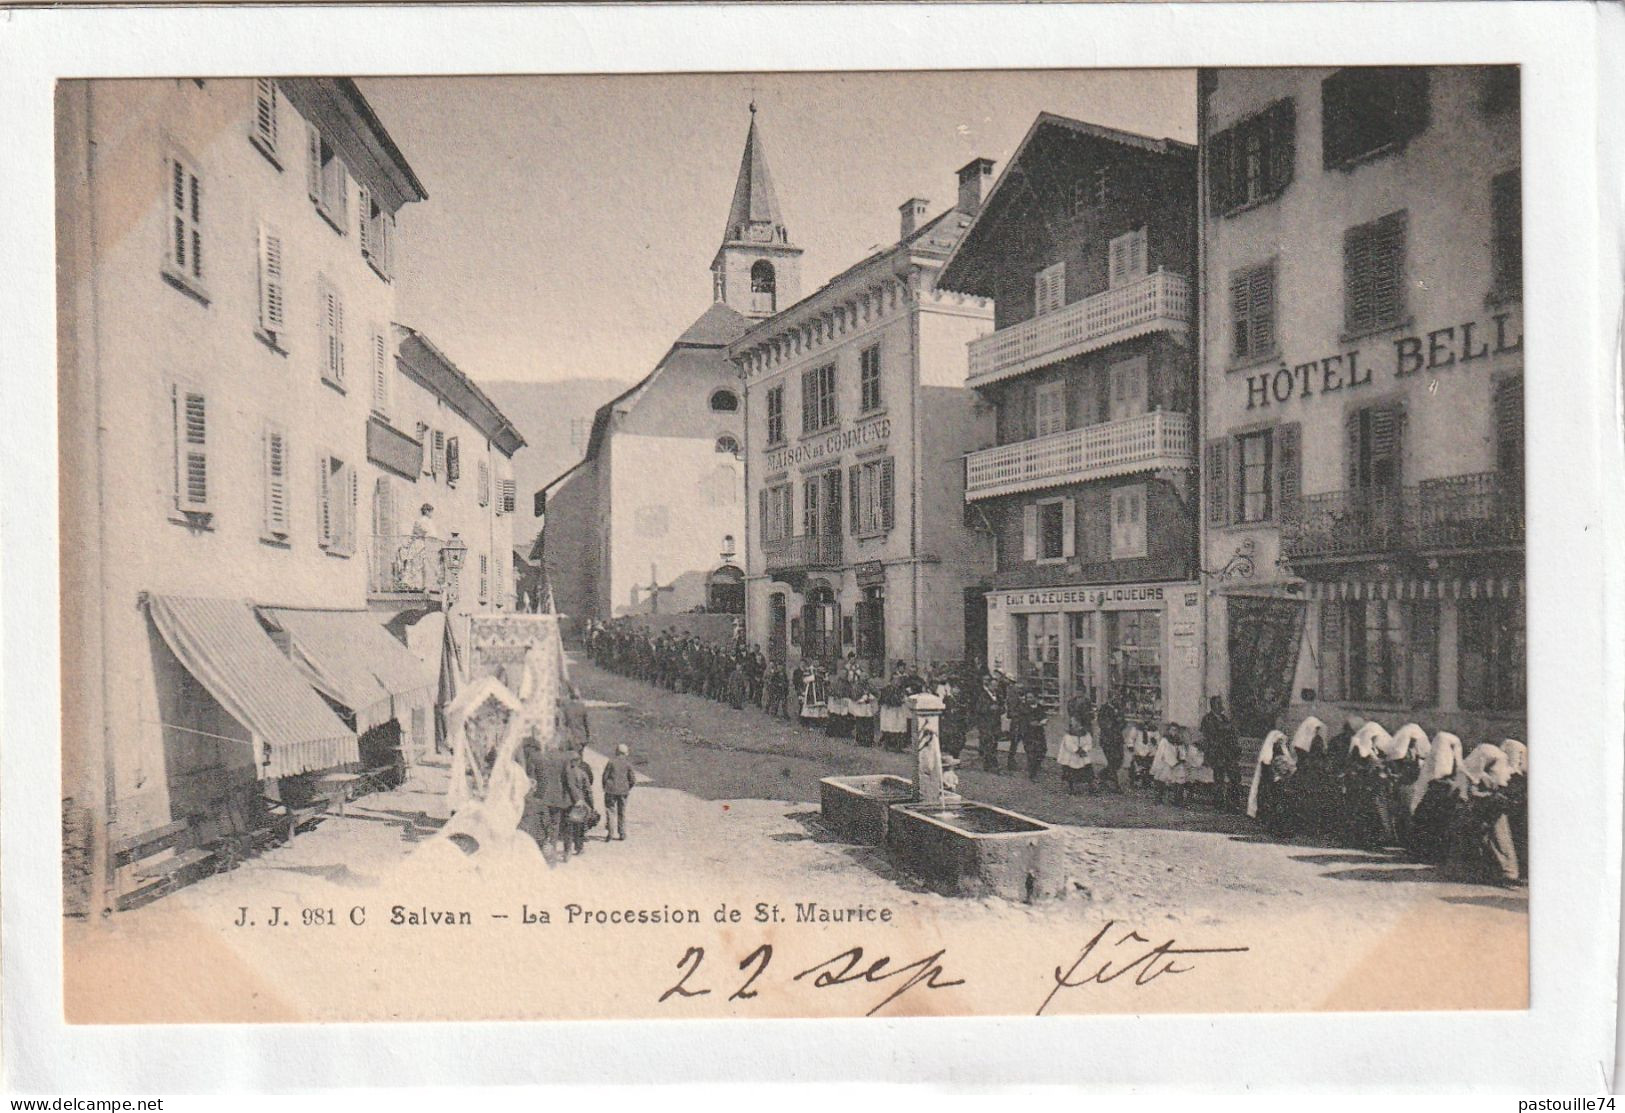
<point x="889" y="543"/>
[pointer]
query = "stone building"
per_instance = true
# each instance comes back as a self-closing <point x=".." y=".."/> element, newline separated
<point x="227" y="363"/>
<point x="1363" y="380"/>
<point x="1087" y="478"/>
<point x="856" y="417"/>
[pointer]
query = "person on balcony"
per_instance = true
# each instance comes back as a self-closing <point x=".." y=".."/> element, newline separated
<point x="415" y="557"/>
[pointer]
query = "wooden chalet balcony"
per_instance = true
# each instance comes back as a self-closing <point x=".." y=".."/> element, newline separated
<point x="813" y="550"/>
<point x="1460" y="512"/>
<point x="1149" y="442"/>
<point x="405" y="565"/>
<point x="1156" y="302"/>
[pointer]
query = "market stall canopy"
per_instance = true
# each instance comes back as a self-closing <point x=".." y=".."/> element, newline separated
<point x="350" y="658"/>
<point x="223" y="645"/>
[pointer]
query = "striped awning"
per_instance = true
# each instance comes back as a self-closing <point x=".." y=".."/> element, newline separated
<point x="1467" y="587"/>
<point x="350" y="658"/>
<point x="223" y="645"/>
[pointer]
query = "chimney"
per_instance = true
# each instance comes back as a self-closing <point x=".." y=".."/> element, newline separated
<point x="913" y="211"/>
<point x="974" y="178"/>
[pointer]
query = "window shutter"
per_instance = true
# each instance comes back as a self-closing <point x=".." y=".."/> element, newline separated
<point x="271" y="290"/>
<point x="762" y="514"/>
<point x="1241" y="316"/>
<point x="324" y="501"/>
<point x="1288" y="470"/>
<point x="509" y="496"/>
<point x="1331" y="649"/>
<point x="380" y="373"/>
<point x="191" y="451"/>
<point x="425" y="449"/>
<point x="276" y="482"/>
<point x="438" y="464"/>
<point x="454" y="466"/>
<point x="888" y="493"/>
<point x="351" y="502"/>
<point x="1261" y="309"/>
<point x="1029" y="532"/>
<point x="483" y="483"/>
<point x="313" y="164"/>
<point x="1069" y="529"/>
<point x="1335" y="138"/>
<point x="1283" y="144"/>
<point x="854" y="484"/>
<point x="1387" y="423"/>
<point x="338" y="336"/>
<point x="1410" y="101"/>
<point x="1221" y="149"/>
<point x="832" y="512"/>
<point x="1352" y="434"/>
<point x="363" y="206"/>
<point x="265" y="111"/>
<point x="383" y="508"/>
<point x="1509" y="426"/>
<point x="1218" y="482"/>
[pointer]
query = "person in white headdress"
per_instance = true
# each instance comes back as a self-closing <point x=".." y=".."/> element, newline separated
<point x="1267" y="800"/>
<point x="1485" y="847"/>
<point x="1436" y="799"/>
<point x="1517" y="792"/>
<point x="1316" y="788"/>
<point x="1367" y="806"/>
<point x="1406" y="753"/>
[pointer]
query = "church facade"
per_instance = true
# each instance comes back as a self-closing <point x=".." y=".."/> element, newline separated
<point x="652" y="519"/>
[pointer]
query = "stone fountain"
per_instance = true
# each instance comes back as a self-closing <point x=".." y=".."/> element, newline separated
<point x="958" y="847"/>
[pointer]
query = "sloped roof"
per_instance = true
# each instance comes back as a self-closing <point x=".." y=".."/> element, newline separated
<point x="966" y="269"/>
<point x="707" y="339"/>
<point x="717" y="327"/>
<point x="754" y="201"/>
<point x="418" y="355"/>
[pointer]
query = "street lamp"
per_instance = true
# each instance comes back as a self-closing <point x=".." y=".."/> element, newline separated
<point x="452" y="555"/>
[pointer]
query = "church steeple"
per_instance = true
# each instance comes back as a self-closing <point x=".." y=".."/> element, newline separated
<point x="757" y="269"/>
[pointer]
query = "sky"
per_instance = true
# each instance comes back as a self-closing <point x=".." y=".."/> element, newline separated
<point x="571" y="220"/>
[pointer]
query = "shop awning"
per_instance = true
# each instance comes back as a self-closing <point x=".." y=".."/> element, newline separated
<point x="349" y="657"/>
<point x="223" y="645"/>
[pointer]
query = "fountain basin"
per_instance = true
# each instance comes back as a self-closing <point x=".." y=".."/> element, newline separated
<point x="976" y="850"/>
<point x="859" y="807"/>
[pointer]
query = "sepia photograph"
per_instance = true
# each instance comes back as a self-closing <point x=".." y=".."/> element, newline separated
<point x="825" y="544"/>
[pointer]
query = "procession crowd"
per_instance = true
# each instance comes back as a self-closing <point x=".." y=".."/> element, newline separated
<point x="1360" y="787"/>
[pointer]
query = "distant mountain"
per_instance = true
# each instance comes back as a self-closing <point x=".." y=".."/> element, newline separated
<point x="547" y="414"/>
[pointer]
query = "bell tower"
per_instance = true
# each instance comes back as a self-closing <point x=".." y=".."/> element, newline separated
<point x="757" y="270"/>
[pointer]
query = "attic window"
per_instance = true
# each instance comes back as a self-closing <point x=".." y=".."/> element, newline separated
<point x="725" y="401"/>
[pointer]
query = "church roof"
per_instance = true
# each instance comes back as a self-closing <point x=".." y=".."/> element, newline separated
<point x="717" y="327"/>
<point x="754" y="201"/>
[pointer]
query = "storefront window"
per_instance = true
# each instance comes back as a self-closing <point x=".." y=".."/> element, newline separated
<point x="1039" y="662"/>
<point x="1085" y="680"/>
<point x="1135" y="653"/>
<point x="1492" y="654"/>
<point x="1381" y="651"/>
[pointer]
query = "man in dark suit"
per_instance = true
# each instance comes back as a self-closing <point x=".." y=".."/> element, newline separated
<point x="618" y="781"/>
<point x="546" y="769"/>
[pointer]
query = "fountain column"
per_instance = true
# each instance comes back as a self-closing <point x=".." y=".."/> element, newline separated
<point x="925" y="720"/>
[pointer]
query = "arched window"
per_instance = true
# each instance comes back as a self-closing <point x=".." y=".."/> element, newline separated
<point x="726" y="402"/>
<point x="728" y="443"/>
<point x="763" y="287"/>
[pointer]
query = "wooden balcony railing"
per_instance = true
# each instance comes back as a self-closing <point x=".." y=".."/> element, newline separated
<point x="1157" y="301"/>
<point x="1148" y="442"/>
